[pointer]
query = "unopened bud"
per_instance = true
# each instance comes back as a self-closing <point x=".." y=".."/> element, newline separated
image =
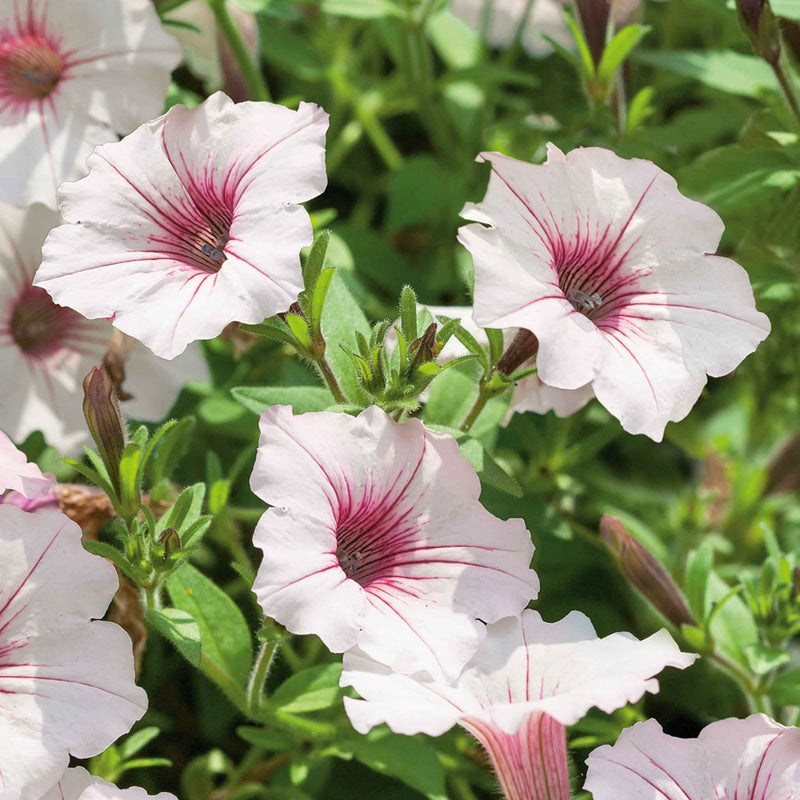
<point x="170" y="541"/>
<point x="645" y="572"/>
<point x="594" y="16"/>
<point x="523" y="346"/>
<point x="104" y="420"/>
<point x="423" y="349"/>
<point x="761" y="26"/>
<point x="117" y="351"/>
<point x="235" y="84"/>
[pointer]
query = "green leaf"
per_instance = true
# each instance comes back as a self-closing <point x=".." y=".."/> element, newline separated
<point x="732" y="626"/>
<point x="785" y="689"/>
<point x="129" y="480"/>
<point x="725" y="70"/>
<point x="268" y="738"/>
<point x="788" y="9"/>
<point x="697" y="572"/>
<point x="224" y="634"/>
<point x="489" y="471"/>
<point x="361" y="9"/>
<point x="310" y="689"/>
<point x="320" y="295"/>
<point x="763" y="659"/>
<point x="411" y="759"/>
<point x="316" y="259"/>
<point x="112" y="554"/>
<point x="342" y="318"/>
<point x="299" y="327"/>
<point x="132" y="744"/>
<point x="618" y="49"/>
<point x="179" y="628"/>
<point x="301" y="398"/>
<point x="408" y="314"/>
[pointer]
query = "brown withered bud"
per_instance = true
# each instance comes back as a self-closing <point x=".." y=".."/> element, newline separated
<point x="523" y="346"/>
<point x="104" y="419"/>
<point x="783" y="470"/>
<point x="114" y="358"/>
<point x="594" y="16"/>
<point x="645" y="572"/>
<point x="423" y="349"/>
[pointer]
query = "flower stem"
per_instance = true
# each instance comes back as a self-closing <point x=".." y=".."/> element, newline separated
<point x="484" y="395"/>
<point x="256" y="85"/>
<point x="330" y="380"/>
<point x="789" y="93"/>
<point x="258" y="676"/>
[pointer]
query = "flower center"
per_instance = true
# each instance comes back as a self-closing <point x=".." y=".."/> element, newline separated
<point x="585" y="303"/>
<point x="208" y="251"/>
<point x="38" y="325"/>
<point x="29" y="67"/>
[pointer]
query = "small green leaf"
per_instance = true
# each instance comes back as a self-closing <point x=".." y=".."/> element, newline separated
<point x="316" y="259"/>
<point x="763" y="659"/>
<point x="489" y="471"/>
<point x="301" y="331"/>
<point x="695" y="638"/>
<point x="408" y="314"/>
<point x="697" y="572"/>
<point x="113" y="555"/>
<point x="310" y="689"/>
<point x="785" y="689"/>
<point x="361" y="9"/>
<point x="224" y="634"/>
<point x="618" y="49"/>
<point x="179" y="628"/>
<point x="129" y="481"/>
<point x="300" y="398"/>
<point x="318" y="298"/>
<point x="137" y="741"/>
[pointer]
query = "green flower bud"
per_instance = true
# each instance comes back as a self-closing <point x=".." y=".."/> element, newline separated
<point x="104" y="420"/>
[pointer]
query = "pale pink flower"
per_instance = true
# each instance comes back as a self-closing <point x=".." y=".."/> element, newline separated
<point x="733" y="759"/>
<point x="608" y="265"/>
<point x="191" y="222"/>
<point x="45" y="349"/>
<point x="527" y="681"/>
<point x="18" y="474"/>
<point x="546" y="17"/>
<point x="377" y="539"/>
<point x="74" y="75"/>
<point x="77" y="784"/>
<point x="66" y="683"/>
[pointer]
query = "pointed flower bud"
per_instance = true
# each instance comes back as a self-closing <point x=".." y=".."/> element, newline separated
<point x="423" y="349"/>
<point x="170" y="540"/>
<point x="761" y="26"/>
<point x="104" y="420"/>
<point x="594" y="16"/>
<point x="645" y="572"/>
<point x="523" y="347"/>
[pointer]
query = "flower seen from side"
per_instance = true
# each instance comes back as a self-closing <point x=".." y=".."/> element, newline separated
<point x="46" y="349"/>
<point x="526" y="682"/>
<point x="74" y="75"/>
<point x="733" y="759"/>
<point x="609" y="267"/>
<point x="66" y="682"/>
<point x="78" y="784"/>
<point x="191" y="222"/>
<point x="377" y="538"/>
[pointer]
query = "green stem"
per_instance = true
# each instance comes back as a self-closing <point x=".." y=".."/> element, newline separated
<point x="226" y="684"/>
<point x="381" y="140"/>
<point x="258" y="676"/>
<point x="256" y="84"/>
<point x="788" y="90"/>
<point x="170" y="5"/>
<point x="460" y="788"/>
<point x="330" y="380"/>
<point x="755" y="698"/>
<point x="484" y="395"/>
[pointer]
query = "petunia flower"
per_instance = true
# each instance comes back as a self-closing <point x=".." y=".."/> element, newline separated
<point x="504" y="17"/>
<point x="377" y="538"/>
<point x="527" y="681"/>
<point x="608" y="266"/>
<point x="18" y="474"/>
<point x="78" y="784"/>
<point x="66" y="683"/>
<point x="733" y="759"/>
<point x="191" y="222"/>
<point x="45" y="349"/>
<point x="74" y="75"/>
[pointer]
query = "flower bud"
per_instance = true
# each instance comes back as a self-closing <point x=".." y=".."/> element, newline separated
<point x="761" y="26"/>
<point x="170" y="540"/>
<point x="645" y="572"/>
<point x="594" y="16"/>
<point x="104" y="420"/>
<point x="523" y="346"/>
<point x="423" y="349"/>
<point x="234" y="82"/>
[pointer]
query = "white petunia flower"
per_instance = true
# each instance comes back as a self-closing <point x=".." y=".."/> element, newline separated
<point x="18" y="474"/>
<point x="191" y="222"/>
<point x="377" y="539"/>
<point x="74" y="74"/>
<point x="608" y="266"/>
<point x="733" y="759"/>
<point x="527" y="681"/>
<point x="77" y="784"/>
<point x="66" y="683"/>
<point x="46" y="349"/>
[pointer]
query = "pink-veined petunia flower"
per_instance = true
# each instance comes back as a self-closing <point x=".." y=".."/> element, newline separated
<point x="18" y="474"/>
<point x="78" y="784"/>
<point x="46" y="349"/>
<point x="527" y="681"/>
<point x="74" y="75"/>
<point x="191" y="222"/>
<point x="66" y="683"/>
<point x="377" y="538"/>
<point x="733" y="759"/>
<point x="546" y="18"/>
<point x="608" y="265"/>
